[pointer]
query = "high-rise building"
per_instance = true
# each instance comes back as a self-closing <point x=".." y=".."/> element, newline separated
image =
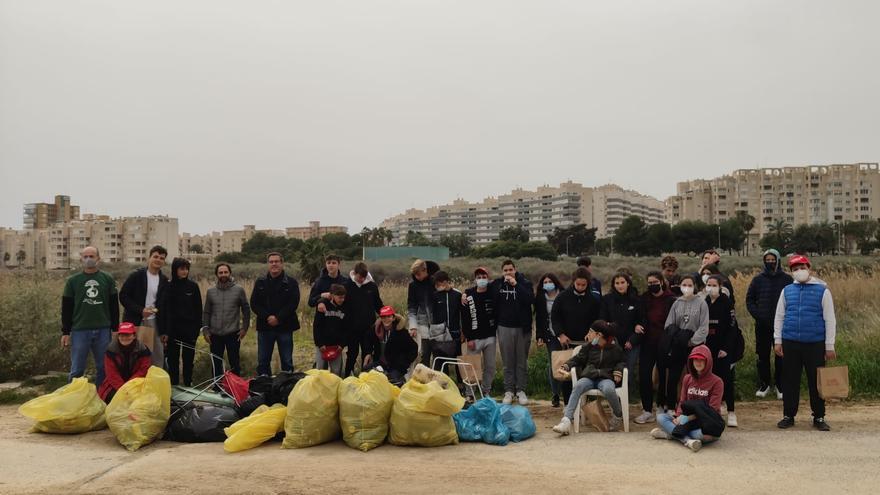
<point x="539" y="212"/>
<point x="43" y="215"/>
<point x="795" y="195"/>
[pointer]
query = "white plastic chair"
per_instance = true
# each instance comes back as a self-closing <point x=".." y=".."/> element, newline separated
<point x="622" y="394"/>
<point x="471" y="380"/>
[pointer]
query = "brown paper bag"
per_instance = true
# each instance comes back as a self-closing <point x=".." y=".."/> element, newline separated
<point x="147" y="335"/>
<point x="833" y="382"/>
<point x="470" y="375"/>
<point x="595" y="413"/>
<point x="557" y="359"/>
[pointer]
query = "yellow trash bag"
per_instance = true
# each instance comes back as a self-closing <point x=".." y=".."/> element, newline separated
<point x="364" y="408"/>
<point x="263" y="424"/>
<point x="312" y="411"/>
<point x="73" y="408"/>
<point x="139" y="411"/>
<point x="422" y="414"/>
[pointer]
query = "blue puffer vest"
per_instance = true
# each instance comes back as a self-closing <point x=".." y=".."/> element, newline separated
<point x="804" y="318"/>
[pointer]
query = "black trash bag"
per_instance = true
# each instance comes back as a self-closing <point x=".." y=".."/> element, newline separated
<point x="282" y="385"/>
<point x="249" y="405"/>
<point x="200" y="424"/>
<point x="260" y="385"/>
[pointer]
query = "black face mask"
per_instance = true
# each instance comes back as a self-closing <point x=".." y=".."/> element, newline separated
<point x="770" y="267"/>
<point x="655" y="288"/>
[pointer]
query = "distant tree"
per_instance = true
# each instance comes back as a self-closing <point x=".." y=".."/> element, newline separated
<point x="20" y="256"/>
<point x="778" y="237"/>
<point x="311" y="259"/>
<point x="517" y="234"/>
<point x="803" y="240"/>
<point x="417" y="239"/>
<point x="658" y="239"/>
<point x="861" y="234"/>
<point x="747" y="223"/>
<point x="576" y="240"/>
<point x="732" y="235"/>
<point x="629" y="238"/>
<point x="603" y="246"/>
<point x="459" y="244"/>
<point x="692" y="236"/>
<point x="196" y="248"/>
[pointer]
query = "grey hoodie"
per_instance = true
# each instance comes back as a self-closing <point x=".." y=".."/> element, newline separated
<point x="222" y="306"/>
<point x="690" y="314"/>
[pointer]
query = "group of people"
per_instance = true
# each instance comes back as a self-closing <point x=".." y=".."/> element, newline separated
<point x="682" y="324"/>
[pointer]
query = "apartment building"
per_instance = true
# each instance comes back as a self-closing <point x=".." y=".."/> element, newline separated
<point x="539" y="212"/>
<point x="231" y="241"/>
<point x="42" y="215"/>
<point x="796" y="195"/>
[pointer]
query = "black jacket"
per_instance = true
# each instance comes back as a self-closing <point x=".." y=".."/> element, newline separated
<point x="181" y="309"/>
<point x="400" y="349"/>
<point x="323" y="284"/>
<point x="721" y="325"/>
<point x="513" y="305"/>
<point x="332" y="327"/>
<point x="277" y="296"/>
<point x="478" y="315"/>
<point x="596" y="362"/>
<point x="542" y="316"/>
<point x="420" y="298"/>
<point x="447" y="310"/>
<point x="763" y="294"/>
<point x="625" y="311"/>
<point x="364" y="303"/>
<point x="133" y="295"/>
<point x="573" y="313"/>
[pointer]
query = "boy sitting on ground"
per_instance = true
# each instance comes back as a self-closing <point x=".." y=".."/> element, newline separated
<point x="126" y="358"/>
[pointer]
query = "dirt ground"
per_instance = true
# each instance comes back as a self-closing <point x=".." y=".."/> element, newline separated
<point x="755" y="458"/>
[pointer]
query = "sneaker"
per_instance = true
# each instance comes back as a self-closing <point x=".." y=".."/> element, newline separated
<point x="564" y="427"/>
<point x="508" y="398"/>
<point x="693" y="444"/>
<point x="614" y="423"/>
<point x="785" y="422"/>
<point x="659" y="434"/>
<point x="820" y="424"/>
<point x="731" y="420"/>
<point x="723" y="409"/>
<point x="763" y="391"/>
<point x="643" y="418"/>
<point x="778" y="394"/>
<point x="521" y="398"/>
<point x="661" y="409"/>
<point x="555" y="401"/>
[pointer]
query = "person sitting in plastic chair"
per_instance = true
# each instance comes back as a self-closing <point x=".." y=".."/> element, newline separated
<point x="126" y="358"/>
<point x="390" y="347"/>
<point x="600" y="363"/>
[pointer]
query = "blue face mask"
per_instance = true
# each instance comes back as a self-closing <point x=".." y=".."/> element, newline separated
<point x="549" y="287"/>
<point x="482" y="283"/>
<point x="595" y="341"/>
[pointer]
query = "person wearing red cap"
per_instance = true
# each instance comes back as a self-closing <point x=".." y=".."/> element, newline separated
<point x="804" y="331"/>
<point x="390" y="346"/>
<point x="126" y="358"/>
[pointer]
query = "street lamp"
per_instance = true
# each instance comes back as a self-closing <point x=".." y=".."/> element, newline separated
<point x="719" y="236"/>
<point x="567" y="255"/>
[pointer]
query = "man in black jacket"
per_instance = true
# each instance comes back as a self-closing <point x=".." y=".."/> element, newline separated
<point x="181" y="317"/>
<point x="329" y="275"/>
<point x="761" y="300"/>
<point x="274" y="301"/>
<point x="512" y="297"/>
<point x="141" y="297"/>
<point x="364" y="303"/>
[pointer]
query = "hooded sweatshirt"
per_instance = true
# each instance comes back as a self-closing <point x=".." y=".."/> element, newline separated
<point x="690" y="314"/>
<point x="478" y="315"/>
<point x="394" y="349"/>
<point x="624" y="310"/>
<point x="121" y="364"/>
<point x="333" y="326"/>
<point x="447" y="316"/>
<point x="226" y="309"/>
<point x="805" y="313"/>
<point x="513" y="304"/>
<point x="705" y="386"/>
<point x="181" y="308"/>
<point x="764" y="291"/>
<point x="323" y="284"/>
<point x="363" y="301"/>
<point x="420" y="298"/>
<point x="573" y="313"/>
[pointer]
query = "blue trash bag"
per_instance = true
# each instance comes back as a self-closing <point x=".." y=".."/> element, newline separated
<point x="518" y="421"/>
<point x="482" y="422"/>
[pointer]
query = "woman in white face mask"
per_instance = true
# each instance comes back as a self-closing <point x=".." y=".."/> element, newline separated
<point x="686" y="326"/>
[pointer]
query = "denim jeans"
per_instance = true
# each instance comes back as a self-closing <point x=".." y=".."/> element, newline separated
<point x="266" y="341"/>
<point x="666" y="424"/>
<point x="604" y="385"/>
<point x="83" y="341"/>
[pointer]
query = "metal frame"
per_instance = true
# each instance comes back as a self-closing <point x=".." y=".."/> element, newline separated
<point x="206" y="385"/>
<point x="446" y="361"/>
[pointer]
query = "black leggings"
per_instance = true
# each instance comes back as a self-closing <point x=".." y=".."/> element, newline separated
<point x="648" y="354"/>
<point x="175" y="352"/>
<point x="721" y="368"/>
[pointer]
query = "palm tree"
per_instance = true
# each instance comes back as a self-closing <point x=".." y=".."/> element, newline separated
<point x="747" y="223"/>
<point x="783" y="232"/>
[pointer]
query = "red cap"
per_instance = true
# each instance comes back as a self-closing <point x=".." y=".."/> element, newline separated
<point x="482" y="270"/>
<point x="127" y="327"/>
<point x="386" y="311"/>
<point x="330" y="353"/>
<point x="798" y="259"/>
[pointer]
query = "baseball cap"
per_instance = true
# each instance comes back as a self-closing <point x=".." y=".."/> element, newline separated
<point x="127" y="327"/>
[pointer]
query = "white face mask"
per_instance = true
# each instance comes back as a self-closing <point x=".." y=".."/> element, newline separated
<point x="705" y="279"/>
<point x="687" y="291"/>
<point x="713" y="291"/>
<point x="801" y="275"/>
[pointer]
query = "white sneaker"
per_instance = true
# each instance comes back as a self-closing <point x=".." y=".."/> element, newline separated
<point x="763" y="391"/>
<point x="645" y="417"/>
<point x="778" y="394"/>
<point x="693" y="444"/>
<point x="564" y="427"/>
<point x="723" y="409"/>
<point x="614" y="423"/>
<point x="731" y="420"/>
<point x="521" y="398"/>
<point x="659" y="434"/>
<point x="508" y="398"/>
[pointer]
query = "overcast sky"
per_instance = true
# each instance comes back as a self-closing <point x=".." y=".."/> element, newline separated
<point x="275" y="113"/>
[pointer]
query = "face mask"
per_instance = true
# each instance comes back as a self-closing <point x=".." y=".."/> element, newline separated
<point x="770" y="267"/>
<point x="549" y="287"/>
<point x="705" y="279"/>
<point x="482" y="283"/>
<point x="713" y="291"/>
<point x="802" y="275"/>
<point x="686" y="291"/>
<point x="655" y="288"/>
<point x="89" y="262"/>
<point x="595" y="341"/>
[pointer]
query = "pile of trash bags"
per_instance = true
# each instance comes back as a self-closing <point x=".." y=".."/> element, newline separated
<point x="139" y="411"/>
<point x="262" y="425"/>
<point x="486" y="421"/>
<point x="312" y="411"/>
<point x="73" y="408"/>
<point x="200" y="423"/>
<point x="422" y="413"/>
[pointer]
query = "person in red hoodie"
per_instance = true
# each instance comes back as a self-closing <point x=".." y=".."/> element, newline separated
<point x="697" y="420"/>
<point x="126" y="358"/>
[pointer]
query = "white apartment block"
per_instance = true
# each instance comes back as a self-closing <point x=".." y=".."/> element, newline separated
<point x="538" y="212"/>
<point x="231" y="241"/>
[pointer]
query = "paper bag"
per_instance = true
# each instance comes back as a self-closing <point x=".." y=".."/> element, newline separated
<point x="833" y="382"/>
<point x="147" y="335"/>
<point x="471" y="376"/>
<point x="595" y="413"/>
<point x="557" y="359"/>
